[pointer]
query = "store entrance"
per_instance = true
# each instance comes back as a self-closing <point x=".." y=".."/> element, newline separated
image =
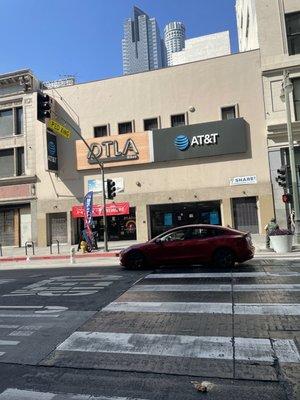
<point x="167" y="216"/>
<point x="119" y="227"/>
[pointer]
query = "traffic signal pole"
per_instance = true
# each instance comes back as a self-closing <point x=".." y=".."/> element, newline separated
<point x="44" y="111"/>
<point x="286" y="84"/>
<point x="101" y="165"/>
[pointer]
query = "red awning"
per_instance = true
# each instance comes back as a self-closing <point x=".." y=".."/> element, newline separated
<point x="111" y="209"/>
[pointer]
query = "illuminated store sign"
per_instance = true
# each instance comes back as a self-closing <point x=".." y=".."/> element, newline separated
<point x="200" y="140"/>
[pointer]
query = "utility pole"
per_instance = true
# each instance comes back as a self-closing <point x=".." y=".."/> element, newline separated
<point x="287" y="88"/>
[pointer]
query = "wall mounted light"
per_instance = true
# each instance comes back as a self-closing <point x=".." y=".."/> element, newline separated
<point x="138" y="184"/>
<point x="192" y="109"/>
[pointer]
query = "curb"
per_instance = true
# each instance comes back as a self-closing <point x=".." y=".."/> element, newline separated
<point x="58" y="257"/>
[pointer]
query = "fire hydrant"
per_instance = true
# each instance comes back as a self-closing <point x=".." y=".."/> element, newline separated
<point x="83" y="246"/>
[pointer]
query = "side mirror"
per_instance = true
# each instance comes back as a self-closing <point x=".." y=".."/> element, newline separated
<point x="158" y="241"/>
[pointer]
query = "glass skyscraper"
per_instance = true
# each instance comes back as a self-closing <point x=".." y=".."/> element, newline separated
<point x="141" y="44"/>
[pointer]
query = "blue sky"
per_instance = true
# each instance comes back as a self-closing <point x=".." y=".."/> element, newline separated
<point x="83" y="37"/>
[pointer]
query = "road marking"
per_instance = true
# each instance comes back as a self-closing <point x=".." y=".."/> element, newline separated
<point x="40" y="309"/>
<point x="8" y="342"/>
<point x="248" y="349"/>
<point x="203" y="308"/>
<point x="67" y="286"/>
<point x="26" y="330"/>
<point x="20" y="307"/>
<point x="9" y="326"/>
<point x="29" y="316"/>
<point x="17" y="394"/>
<point x="3" y="281"/>
<point x="215" y="288"/>
<point x="222" y="275"/>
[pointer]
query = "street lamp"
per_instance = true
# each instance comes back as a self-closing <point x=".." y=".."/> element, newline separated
<point x="287" y="88"/>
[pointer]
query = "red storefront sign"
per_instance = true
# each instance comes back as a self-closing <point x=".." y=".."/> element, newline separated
<point x="111" y="209"/>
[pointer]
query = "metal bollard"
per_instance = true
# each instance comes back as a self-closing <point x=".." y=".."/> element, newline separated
<point x="1" y="252"/>
<point x="72" y="255"/>
<point x="57" y="243"/>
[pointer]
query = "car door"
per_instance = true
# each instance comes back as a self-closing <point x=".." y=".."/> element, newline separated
<point x="198" y="245"/>
<point x="172" y="247"/>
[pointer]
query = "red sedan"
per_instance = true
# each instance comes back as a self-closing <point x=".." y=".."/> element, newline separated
<point x="192" y="244"/>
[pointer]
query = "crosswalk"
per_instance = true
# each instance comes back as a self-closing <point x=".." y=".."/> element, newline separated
<point x="195" y="323"/>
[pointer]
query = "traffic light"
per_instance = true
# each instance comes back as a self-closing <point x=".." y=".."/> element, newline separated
<point x="43" y="106"/>
<point x="111" y="189"/>
<point x="281" y="177"/>
<point x="287" y="198"/>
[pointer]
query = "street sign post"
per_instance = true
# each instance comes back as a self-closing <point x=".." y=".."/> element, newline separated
<point x="59" y="129"/>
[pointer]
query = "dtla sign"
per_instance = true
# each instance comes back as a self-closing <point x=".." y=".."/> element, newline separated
<point x="110" y="151"/>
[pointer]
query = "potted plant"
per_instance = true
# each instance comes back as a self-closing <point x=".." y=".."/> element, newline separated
<point x="281" y="240"/>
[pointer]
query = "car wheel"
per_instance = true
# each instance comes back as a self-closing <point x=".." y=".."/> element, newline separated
<point x="224" y="258"/>
<point x="136" y="260"/>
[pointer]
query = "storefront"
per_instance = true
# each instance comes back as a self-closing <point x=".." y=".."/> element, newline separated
<point x="15" y="225"/>
<point x="168" y="216"/>
<point x="121" y="221"/>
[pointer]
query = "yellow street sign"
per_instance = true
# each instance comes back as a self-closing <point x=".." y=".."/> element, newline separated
<point x="58" y="128"/>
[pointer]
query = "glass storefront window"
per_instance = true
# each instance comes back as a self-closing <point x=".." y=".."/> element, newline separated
<point x="119" y="227"/>
<point x="168" y="216"/>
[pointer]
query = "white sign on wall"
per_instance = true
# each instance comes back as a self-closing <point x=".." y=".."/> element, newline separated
<point x="243" y="180"/>
<point x="95" y="185"/>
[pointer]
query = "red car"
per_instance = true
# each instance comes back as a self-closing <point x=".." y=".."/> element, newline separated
<point x="192" y="244"/>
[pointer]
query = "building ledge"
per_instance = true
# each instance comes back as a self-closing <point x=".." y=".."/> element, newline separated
<point x="281" y="129"/>
<point x="18" y="180"/>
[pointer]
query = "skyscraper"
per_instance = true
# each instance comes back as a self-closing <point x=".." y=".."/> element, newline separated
<point x="141" y="44"/>
<point x="174" y="38"/>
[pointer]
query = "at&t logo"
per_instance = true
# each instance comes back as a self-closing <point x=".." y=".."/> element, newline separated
<point x="182" y="142"/>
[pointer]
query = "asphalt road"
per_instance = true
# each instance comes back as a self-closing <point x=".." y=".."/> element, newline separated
<point x="105" y="333"/>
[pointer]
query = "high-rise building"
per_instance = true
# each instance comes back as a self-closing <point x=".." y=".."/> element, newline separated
<point x="246" y="24"/>
<point x="202" y="48"/>
<point x="174" y="38"/>
<point x="141" y="44"/>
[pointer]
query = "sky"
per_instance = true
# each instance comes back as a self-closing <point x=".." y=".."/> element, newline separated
<point x="55" y="38"/>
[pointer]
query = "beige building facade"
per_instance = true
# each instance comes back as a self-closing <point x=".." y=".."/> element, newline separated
<point x="216" y="186"/>
<point x="279" y="44"/>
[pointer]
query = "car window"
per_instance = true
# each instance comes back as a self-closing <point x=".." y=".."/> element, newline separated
<point x="176" y="235"/>
<point x="199" y="233"/>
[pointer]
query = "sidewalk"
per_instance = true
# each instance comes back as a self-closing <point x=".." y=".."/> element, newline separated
<point x="16" y="254"/>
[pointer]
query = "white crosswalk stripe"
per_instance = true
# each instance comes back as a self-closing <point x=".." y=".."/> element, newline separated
<point x="216" y="288"/>
<point x="182" y="346"/>
<point x="17" y="394"/>
<point x="260" y="274"/>
<point x="204" y="308"/>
